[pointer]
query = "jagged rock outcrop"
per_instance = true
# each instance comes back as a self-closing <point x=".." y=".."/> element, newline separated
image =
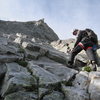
<point x="29" y="67"/>
<point x="38" y="29"/>
<point x="32" y="69"/>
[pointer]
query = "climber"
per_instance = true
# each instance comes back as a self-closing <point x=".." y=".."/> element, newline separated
<point x="86" y="40"/>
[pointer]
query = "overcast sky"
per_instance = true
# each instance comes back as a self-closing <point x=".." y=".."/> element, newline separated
<point x="61" y="15"/>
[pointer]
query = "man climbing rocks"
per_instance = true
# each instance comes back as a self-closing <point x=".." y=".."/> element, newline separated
<point x="86" y="40"/>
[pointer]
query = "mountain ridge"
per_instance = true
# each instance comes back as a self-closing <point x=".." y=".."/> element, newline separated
<point x="37" y="29"/>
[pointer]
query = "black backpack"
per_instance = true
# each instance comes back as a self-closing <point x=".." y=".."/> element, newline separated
<point x="92" y="36"/>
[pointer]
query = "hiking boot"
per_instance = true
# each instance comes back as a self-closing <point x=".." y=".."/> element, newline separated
<point x="70" y="64"/>
<point x="93" y="67"/>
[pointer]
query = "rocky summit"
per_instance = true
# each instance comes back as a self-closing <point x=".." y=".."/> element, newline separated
<point x="38" y="29"/>
<point x="33" y="65"/>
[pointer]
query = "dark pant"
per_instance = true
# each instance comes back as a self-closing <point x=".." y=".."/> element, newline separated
<point x="77" y="49"/>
